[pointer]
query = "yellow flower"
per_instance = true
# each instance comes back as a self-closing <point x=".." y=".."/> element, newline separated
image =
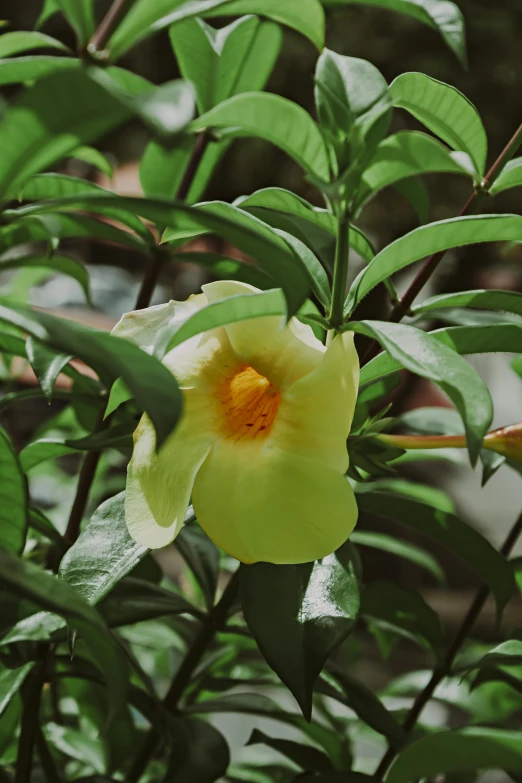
<point x="261" y="446"/>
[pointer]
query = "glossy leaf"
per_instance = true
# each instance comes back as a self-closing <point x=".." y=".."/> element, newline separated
<point x="64" y="265"/>
<point x="446" y="17"/>
<point x="448" y="530"/>
<point x="404" y="611"/>
<point x="93" y="157"/>
<point x="199" y="752"/>
<point x="490" y="299"/>
<point x="429" y="239"/>
<point x="404" y="155"/>
<point x="420" y="353"/>
<point x="416" y="193"/>
<point x="463" y="340"/>
<point x="226" y="268"/>
<point x="445" y="111"/>
<point x="103" y="554"/>
<point x="300" y="614"/>
<point x="80" y="15"/>
<point x="305" y="756"/>
<point x="32" y="68"/>
<point x="47" y="365"/>
<point x="202" y="557"/>
<point x="48" y="121"/>
<point x="457" y="750"/>
<point x="77" y="745"/>
<point x="221" y="63"/>
<point x="55" y="595"/>
<point x="264" y="202"/>
<point x="275" y="119"/>
<point x="13" y="498"/>
<point x="153" y="386"/>
<point x="305" y="16"/>
<point x="349" y="91"/>
<point x="229" y="310"/>
<point x="39" y="451"/>
<point x="509" y="177"/>
<point x="135" y="600"/>
<point x="11" y="681"/>
<point x="404" y="549"/>
<point x="505" y="654"/>
<point x="366" y="705"/>
<point x="25" y="40"/>
<point x="246" y="232"/>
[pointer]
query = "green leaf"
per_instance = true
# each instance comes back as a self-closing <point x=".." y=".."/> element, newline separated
<point x="202" y="557"/>
<point x="47" y="365"/>
<point x="56" y="226"/>
<point x="135" y="600"/>
<point x="275" y="119"/>
<point x="264" y="202"/>
<point x="62" y="264"/>
<point x="300" y="614"/>
<point x="445" y="111"/>
<point x="43" y="525"/>
<point x="305" y="16"/>
<point x="403" y="611"/>
<point x="416" y="193"/>
<point x="486" y="299"/>
<point x="220" y="63"/>
<point x="50" y="186"/>
<point x="457" y="750"/>
<point x="199" y="752"/>
<point x="432" y="238"/>
<point x="55" y="595"/>
<point x="497" y="338"/>
<point x="404" y="155"/>
<point x="349" y="91"/>
<point x="226" y="268"/>
<point x="404" y="549"/>
<point x="11" y="681"/>
<point x="445" y="528"/>
<point x="420" y="353"/>
<point x="505" y="654"/>
<point x="94" y="158"/>
<point x="13" y="498"/>
<point x="25" y="40"/>
<point x="246" y="232"/>
<point x="77" y="745"/>
<point x="366" y="705"/>
<point x="446" y="17"/>
<point x="80" y="15"/>
<point x="39" y="451"/>
<point x="319" y="283"/>
<point x="48" y="121"/>
<point x="509" y="177"/>
<point x="103" y="554"/>
<point x="335" y="776"/>
<point x="34" y="67"/>
<point x="152" y="385"/>
<point x="229" y="310"/>
<point x="305" y="756"/>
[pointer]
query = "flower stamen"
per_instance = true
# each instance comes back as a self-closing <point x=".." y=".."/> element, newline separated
<point x="248" y="403"/>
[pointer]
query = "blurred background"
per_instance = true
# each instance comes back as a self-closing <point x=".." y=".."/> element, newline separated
<point x="394" y="44"/>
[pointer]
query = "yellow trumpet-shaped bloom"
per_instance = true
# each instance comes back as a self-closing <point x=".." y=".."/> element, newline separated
<point x="261" y="446"/>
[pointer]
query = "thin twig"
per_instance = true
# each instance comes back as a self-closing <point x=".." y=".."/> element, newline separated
<point x="445" y="668"/>
<point x="430" y="265"/>
<point x="32" y="695"/>
<point x="106" y="26"/>
<point x="213" y="622"/>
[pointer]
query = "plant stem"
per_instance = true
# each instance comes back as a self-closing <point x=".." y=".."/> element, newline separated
<point x="32" y="694"/>
<point x="430" y="265"/>
<point x="106" y="26"/>
<point x="213" y="622"/>
<point x="340" y="273"/>
<point x="445" y="668"/>
<point x="49" y="767"/>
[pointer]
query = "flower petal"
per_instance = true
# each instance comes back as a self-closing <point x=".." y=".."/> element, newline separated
<point x="263" y="504"/>
<point x="142" y="326"/>
<point x="316" y="412"/>
<point x="282" y="353"/>
<point x="159" y="485"/>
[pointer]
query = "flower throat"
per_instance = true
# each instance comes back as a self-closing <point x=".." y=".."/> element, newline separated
<point x="249" y="404"/>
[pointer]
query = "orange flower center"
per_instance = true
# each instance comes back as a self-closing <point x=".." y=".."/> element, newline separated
<point x="249" y="404"/>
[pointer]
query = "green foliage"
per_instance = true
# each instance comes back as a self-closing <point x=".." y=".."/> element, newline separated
<point x="119" y="663"/>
